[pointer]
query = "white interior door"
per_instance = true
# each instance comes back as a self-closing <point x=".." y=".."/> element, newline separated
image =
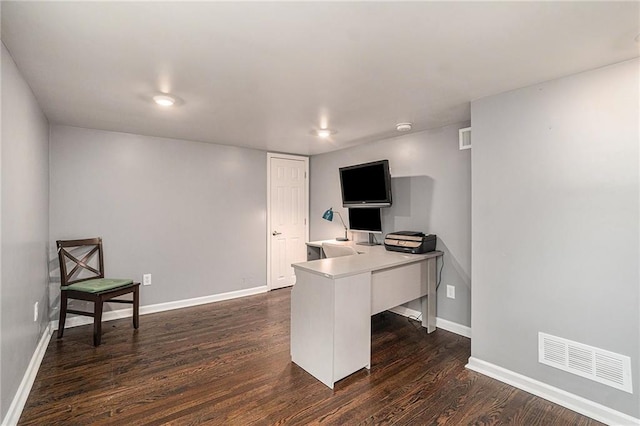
<point x="288" y="211"/>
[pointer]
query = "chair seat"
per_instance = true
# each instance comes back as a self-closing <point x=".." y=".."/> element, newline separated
<point x="98" y="285"/>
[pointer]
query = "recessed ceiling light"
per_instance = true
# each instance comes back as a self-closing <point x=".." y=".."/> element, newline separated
<point x="325" y="133"/>
<point x="164" y="100"/>
<point x="403" y="127"/>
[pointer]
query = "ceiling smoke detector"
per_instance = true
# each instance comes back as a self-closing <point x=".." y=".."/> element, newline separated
<point x="403" y="127"/>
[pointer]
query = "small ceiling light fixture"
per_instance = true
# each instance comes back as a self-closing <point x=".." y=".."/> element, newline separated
<point x="325" y="133"/>
<point x="403" y="127"/>
<point x="164" y="100"/>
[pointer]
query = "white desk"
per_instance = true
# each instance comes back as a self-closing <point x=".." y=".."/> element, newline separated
<point x="333" y="300"/>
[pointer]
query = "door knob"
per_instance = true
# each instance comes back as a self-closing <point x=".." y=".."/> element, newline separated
<point x="274" y="233"/>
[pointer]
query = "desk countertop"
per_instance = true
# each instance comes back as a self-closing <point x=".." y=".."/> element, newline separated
<point x="378" y="258"/>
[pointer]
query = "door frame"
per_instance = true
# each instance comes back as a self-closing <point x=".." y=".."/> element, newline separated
<point x="271" y="155"/>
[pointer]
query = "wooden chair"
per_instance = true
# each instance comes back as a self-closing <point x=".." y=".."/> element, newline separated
<point x="82" y="277"/>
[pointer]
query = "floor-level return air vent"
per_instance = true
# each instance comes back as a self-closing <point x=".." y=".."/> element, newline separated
<point x="605" y="367"/>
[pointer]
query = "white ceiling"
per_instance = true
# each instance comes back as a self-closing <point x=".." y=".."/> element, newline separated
<point x="263" y="75"/>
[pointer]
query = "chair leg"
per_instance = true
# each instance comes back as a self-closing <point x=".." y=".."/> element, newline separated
<point x="97" y="322"/>
<point x="63" y="313"/>
<point x="136" y="308"/>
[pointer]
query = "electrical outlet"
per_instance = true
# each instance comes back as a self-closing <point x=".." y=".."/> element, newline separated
<point x="451" y="292"/>
<point x="35" y="312"/>
<point x="146" y="279"/>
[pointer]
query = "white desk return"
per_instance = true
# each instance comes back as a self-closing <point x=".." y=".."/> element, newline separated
<point x="333" y="300"/>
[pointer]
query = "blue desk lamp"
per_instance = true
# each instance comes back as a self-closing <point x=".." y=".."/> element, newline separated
<point x="328" y="215"/>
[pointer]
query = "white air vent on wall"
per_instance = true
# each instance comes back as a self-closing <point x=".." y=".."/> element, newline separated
<point x="464" y="137"/>
<point x="587" y="361"/>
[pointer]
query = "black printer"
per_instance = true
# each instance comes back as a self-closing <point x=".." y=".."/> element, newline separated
<point x="410" y="242"/>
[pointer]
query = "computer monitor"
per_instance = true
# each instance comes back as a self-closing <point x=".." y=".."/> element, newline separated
<point x="366" y="220"/>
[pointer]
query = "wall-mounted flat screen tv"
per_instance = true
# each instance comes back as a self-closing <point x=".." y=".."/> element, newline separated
<point x="366" y="185"/>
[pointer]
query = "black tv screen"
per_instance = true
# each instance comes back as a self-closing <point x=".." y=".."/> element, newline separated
<point x="366" y="185"/>
<point x="368" y="220"/>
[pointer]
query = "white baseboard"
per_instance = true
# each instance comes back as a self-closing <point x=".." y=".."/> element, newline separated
<point x="74" y="321"/>
<point x="453" y="327"/>
<point x="20" y="398"/>
<point x="444" y="324"/>
<point x="573" y="402"/>
<point x="406" y="312"/>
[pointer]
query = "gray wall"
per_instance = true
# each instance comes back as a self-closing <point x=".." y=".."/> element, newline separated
<point x="555" y="225"/>
<point x="431" y="183"/>
<point x="191" y="214"/>
<point x="24" y="228"/>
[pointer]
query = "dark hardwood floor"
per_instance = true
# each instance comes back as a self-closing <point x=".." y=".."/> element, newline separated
<point x="228" y="363"/>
